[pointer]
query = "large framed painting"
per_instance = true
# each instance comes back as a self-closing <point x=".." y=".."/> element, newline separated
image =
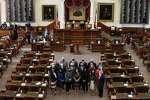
<point x="48" y="12"/>
<point x="77" y="13"/>
<point x="106" y="11"/>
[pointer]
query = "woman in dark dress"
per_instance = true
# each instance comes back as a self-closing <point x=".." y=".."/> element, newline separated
<point x="53" y="80"/>
<point x="85" y="80"/>
<point x="76" y="79"/>
<point x="68" y="80"/>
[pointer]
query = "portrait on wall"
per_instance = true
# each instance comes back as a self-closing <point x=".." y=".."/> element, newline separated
<point x="48" y="12"/>
<point x="106" y="12"/>
<point x="77" y="13"/>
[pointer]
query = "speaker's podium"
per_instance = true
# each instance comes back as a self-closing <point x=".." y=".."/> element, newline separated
<point x="75" y="47"/>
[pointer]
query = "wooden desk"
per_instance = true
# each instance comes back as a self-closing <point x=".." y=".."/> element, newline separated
<point x="59" y="47"/>
<point x="33" y="86"/>
<point x="14" y="95"/>
<point x="120" y="87"/>
<point x="32" y="68"/>
<point x="117" y="77"/>
<point x="98" y="47"/>
<point x="141" y="87"/>
<point x="84" y="36"/>
<point x="30" y="77"/>
<point x="125" y="96"/>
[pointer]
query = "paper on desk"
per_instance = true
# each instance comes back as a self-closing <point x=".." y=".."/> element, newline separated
<point x="52" y="54"/>
<point x="9" y="53"/>
<point x="27" y="74"/>
<point x="5" y="59"/>
<point x="23" y="84"/>
<point x="125" y="84"/>
<point x="18" y="95"/>
<point x="122" y="75"/>
<point x="44" y="84"/>
<point x="145" y="84"/>
<point x="48" y="66"/>
<point x="37" y="53"/>
<point x="38" y="83"/>
<point x="46" y="74"/>
<point x="136" y="67"/>
<point x="130" y="96"/>
<point x="50" y="59"/>
<point x="40" y="95"/>
<point x="30" y="66"/>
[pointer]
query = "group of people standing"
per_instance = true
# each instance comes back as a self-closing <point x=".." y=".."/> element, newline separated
<point x="77" y="76"/>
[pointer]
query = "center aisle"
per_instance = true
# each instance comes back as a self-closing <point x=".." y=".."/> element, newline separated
<point x="139" y="62"/>
<point x="87" y="55"/>
<point x="12" y="67"/>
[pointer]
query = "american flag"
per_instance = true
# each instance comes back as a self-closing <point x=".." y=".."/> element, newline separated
<point x="56" y="20"/>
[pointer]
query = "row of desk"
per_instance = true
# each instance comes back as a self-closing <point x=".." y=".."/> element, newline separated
<point x="8" y="49"/>
<point x="123" y="78"/>
<point x="143" y="51"/>
<point x="30" y="81"/>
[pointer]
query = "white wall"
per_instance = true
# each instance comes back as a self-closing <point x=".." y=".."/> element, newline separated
<point x="3" y="11"/>
<point x="38" y="12"/>
<point x="0" y="12"/>
<point x="117" y="15"/>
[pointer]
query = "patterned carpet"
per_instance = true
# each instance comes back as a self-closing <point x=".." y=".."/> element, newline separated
<point x="78" y="95"/>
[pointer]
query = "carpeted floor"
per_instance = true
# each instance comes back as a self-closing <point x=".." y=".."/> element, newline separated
<point x="78" y="95"/>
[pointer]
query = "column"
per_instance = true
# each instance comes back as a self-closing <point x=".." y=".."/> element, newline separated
<point x="61" y="14"/>
<point x="92" y="13"/>
<point x="0" y="12"/>
<point x="3" y="11"/>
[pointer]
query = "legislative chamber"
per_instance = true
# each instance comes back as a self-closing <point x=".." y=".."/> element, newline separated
<point x="74" y="50"/>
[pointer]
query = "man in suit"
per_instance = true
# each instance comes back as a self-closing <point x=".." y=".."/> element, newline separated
<point x="82" y="65"/>
<point x="101" y="82"/>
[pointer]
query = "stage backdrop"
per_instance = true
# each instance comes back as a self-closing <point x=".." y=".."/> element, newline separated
<point x="77" y="10"/>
